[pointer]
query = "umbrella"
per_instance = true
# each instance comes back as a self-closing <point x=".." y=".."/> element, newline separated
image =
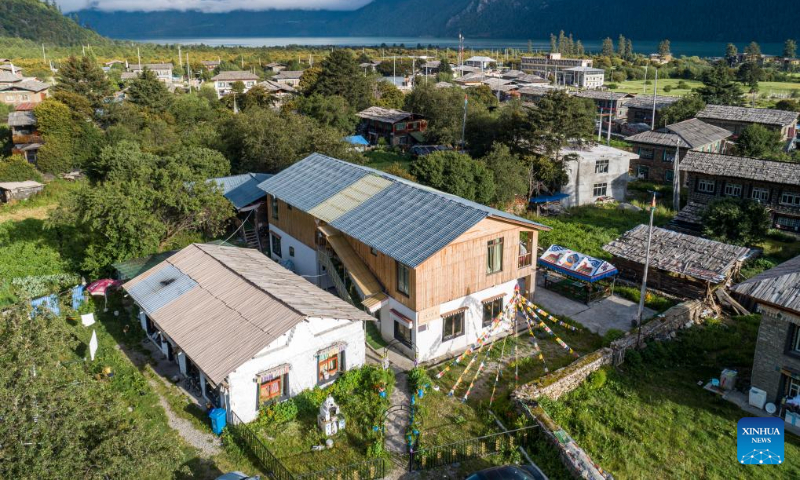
<point x="99" y="287"/>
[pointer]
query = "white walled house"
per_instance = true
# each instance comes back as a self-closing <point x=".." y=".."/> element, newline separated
<point x="596" y="172"/>
<point x="585" y="77"/>
<point x="163" y="71"/>
<point x="224" y="81"/>
<point x="433" y="268"/>
<point x="249" y="330"/>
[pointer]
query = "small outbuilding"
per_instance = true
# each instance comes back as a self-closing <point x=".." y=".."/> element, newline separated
<point x="11" y="191"/>
<point x="680" y="264"/>
<point x="577" y="274"/>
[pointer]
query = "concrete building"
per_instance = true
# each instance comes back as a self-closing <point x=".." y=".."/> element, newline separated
<point x="640" y="108"/>
<point x="224" y="81"/>
<point x="584" y="77"/>
<point x="163" y="71"/>
<point x="250" y="331"/>
<point x="595" y="172"/>
<point x="552" y="64"/>
<point x="480" y="62"/>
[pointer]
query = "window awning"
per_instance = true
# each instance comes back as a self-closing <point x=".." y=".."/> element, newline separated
<point x="492" y="299"/>
<point x="375" y="302"/>
<point x="331" y="351"/>
<point x="454" y="312"/>
<point x="402" y="319"/>
<point x="272" y="373"/>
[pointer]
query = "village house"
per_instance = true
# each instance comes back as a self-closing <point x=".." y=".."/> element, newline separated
<point x="481" y="63"/>
<point x="552" y="64"/>
<point x="713" y="176"/>
<point x="584" y="77"/>
<point x="431" y="67"/>
<point x="396" y="127"/>
<point x="640" y="108"/>
<point x="776" y="363"/>
<point x="249" y="331"/>
<point x="737" y="119"/>
<point x="461" y="70"/>
<point x="224" y="81"/>
<point x="250" y="204"/>
<point x="23" y="92"/>
<point x="290" y="78"/>
<point x="13" y="191"/>
<point x="210" y="65"/>
<point x="274" y="67"/>
<point x="533" y="93"/>
<point x="656" y="150"/>
<point x="682" y="265"/>
<point x="595" y="173"/>
<point x="435" y="269"/>
<point x="280" y="92"/>
<point x="607" y="102"/>
<point x="163" y="71"/>
<point x="25" y="138"/>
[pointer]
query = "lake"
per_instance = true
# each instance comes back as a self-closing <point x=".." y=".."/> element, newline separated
<point x="701" y="49"/>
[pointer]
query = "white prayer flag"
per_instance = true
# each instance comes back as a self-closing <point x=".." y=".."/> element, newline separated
<point x="93" y="344"/>
<point x="87" y="320"/>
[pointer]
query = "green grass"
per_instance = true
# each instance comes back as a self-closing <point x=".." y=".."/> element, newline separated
<point x="52" y="193"/>
<point x="639" y="87"/>
<point x="780" y="88"/>
<point x="652" y="420"/>
<point x="383" y="159"/>
<point x="374" y="338"/>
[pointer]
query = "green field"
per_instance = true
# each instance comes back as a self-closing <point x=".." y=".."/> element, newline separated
<point x="639" y="87"/>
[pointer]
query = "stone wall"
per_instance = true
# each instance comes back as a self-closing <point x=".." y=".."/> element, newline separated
<point x="772" y="355"/>
<point x="566" y="379"/>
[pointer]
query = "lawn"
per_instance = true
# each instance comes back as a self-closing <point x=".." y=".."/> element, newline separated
<point x="650" y="419"/>
<point x="778" y="88"/>
<point x="383" y="159"/>
<point x="639" y="87"/>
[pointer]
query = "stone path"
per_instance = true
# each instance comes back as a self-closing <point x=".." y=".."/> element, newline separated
<point x="397" y="421"/>
<point x="208" y="444"/>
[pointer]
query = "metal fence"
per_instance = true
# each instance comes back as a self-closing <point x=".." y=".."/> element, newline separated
<point x="444" y="455"/>
<point x="370" y="470"/>
<point x="268" y="461"/>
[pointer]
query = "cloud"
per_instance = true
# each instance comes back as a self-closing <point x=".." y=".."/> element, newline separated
<point x="209" y="6"/>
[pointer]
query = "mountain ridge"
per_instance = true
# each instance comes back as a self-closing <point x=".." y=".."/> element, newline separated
<point x="42" y="22"/>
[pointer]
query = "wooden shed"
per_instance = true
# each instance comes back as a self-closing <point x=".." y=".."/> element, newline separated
<point x="680" y="264"/>
<point x="11" y="191"/>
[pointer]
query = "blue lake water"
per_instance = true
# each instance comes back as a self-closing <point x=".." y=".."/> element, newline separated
<point x="701" y="49"/>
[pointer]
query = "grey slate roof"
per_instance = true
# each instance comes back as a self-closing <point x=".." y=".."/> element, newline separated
<point x="602" y="95"/>
<point x="21" y="119"/>
<point x="785" y="173"/>
<point x="765" y="116"/>
<point x="274" y="86"/>
<point x="8" y="77"/>
<point x="242" y="190"/>
<point x="30" y="85"/>
<point x="380" y="114"/>
<point x="679" y="253"/>
<point x="654" y="138"/>
<point x="779" y="286"/>
<point x="646" y="101"/>
<point x="697" y="133"/>
<point x="406" y="221"/>
<point x="288" y="75"/>
<point x="234" y="75"/>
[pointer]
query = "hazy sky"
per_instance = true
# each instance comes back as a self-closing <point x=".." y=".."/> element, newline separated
<point x="210" y="5"/>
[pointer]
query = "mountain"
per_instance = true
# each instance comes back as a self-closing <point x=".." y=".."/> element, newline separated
<point x="42" y="22"/>
<point x="691" y="20"/>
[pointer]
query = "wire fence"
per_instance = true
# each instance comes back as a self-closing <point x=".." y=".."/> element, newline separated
<point x="370" y="470"/>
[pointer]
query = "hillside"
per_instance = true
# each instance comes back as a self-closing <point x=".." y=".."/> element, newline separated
<point x="35" y="20"/>
<point x="691" y="20"/>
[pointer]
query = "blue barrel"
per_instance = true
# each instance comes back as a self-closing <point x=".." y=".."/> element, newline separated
<point x="218" y="420"/>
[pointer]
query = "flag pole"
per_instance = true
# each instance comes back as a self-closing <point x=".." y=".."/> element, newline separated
<point x="643" y="291"/>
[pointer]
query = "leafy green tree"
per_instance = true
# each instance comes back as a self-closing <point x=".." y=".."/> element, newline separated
<point x="59" y="129"/>
<point x="444" y="109"/>
<point x="309" y="79"/>
<point x="684" y="109"/>
<point x="737" y="221"/>
<point x="227" y="66"/>
<point x="510" y="173"/>
<point x="188" y="110"/>
<point x="79" y="105"/>
<point x="553" y="44"/>
<point x="790" y="48"/>
<point x="483" y="94"/>
<point x="147" y="91"/>
<point x="719" y="87"/>
<point x="332" y="111"/>
<point x="444" y="66"/>
<point x="456" y="173"/>
<point x="58" y="420"/>
<point x="731" y="53"/>
<point x="257" y="96"/>
<point x="203" y="162"/>
<point x="83" y="77"/>
<point x="16" y="169"/>
<point x="140" y="204"/>
<point x="788" y="105"/>
<point x="758" y="141"/>
<point x="753" y="51"/>
<point x="388" y="96"/>
<point x="558" y="119"/>
<point x="579" y="50"/>
<point x="664" y="48"/>
<point x="628" y="48"/>
<point x="608" y="47"/>
<point x="622" y="47"/>
<point x="750" y="73"/>
<point x="340" y="75"/>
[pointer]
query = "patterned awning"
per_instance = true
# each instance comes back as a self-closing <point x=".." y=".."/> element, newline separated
<point x="454" y="312"/>
<point x="331" y="351"/>
<point x="272" y="373"/>
<point x="402" y="319"/>
<point x="493" y="298"/>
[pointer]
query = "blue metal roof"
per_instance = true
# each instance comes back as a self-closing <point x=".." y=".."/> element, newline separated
<point x="549" y="198"/>
<point x="356" y="140"/>
<point x="161" y="288"/>
<point x="406" y="221"/>
<point x="242" y="190"/>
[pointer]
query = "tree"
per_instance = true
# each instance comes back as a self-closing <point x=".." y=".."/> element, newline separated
<point x="684" y="109"/>
<point x="579" y="50"/>
<point x="59" y="130"/>
<point x="664" y="47"/>
<point x="753" y="51"/>
<point x="629" y="47"/>
<point x="737" y="221"/>
<point x="147" y="91"/>
<point x="389" y="96"/>
<point x="83" y="77"/>
<point x="789" y="48"/>
<point x="558" y="119"/>
<point x="750" y="73"/>
<point x="553" y="45"/>
<point x="340" y="75"/>
<point x="58" y="420"/>
<point x="141" y="203"/>
<point x="444" y="109"/>
<point x="622" y="46"/>
<point x="758" y="141"/>
<point x="444" y="66"/>
<point x="482" y="94"/>
<point x="332" y="111"/>
<point x="719" y="87"/>
<point x="731" y="53"/>
<point x="16" y="169"/>
<point x="510" y="174"/>
<point x="788" y="105"/>
<point x="257" y="96"/>
<point x="456" y="173"/>
<point x="608" y="47"/>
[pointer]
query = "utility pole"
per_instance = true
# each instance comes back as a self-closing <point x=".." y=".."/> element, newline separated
<point x="676" y="178"/>
<point x="180" y="57"/>
<point x="643" y="291"/>
<point x="655" y="90"/>
<point x="139" y="55"/>
<point x="644" y="85"/>
<point x="44" y="56"/>
<point x="464" y="123"/>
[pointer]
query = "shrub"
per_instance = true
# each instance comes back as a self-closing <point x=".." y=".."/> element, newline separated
<point x="279" y="412"/>
<point x="667" y="88"/>
<point x="612" y="335"/>
<point x="597" y="379"/>
<point x="612" y="86"/>
<point x="417" y="378"/>
<point x="17" y="169"/>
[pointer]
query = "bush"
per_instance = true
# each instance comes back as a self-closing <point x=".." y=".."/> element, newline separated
<point x="597" y="379"/>
<point x="612" y="335"/>
<point x="17" y="169"/>
<point x="737" y="221"/>
<point x="667" y="88"/>
<point x="418" y="378"/>
<point x="278" y="412"/>
<point x="612" y="86"/>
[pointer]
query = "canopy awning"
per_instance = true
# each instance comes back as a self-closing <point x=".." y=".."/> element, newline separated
<point x="576" y="265"/>
<point x="375" y="302"/>
<point x="549" y="198"/>
<point x="364" y="279"/>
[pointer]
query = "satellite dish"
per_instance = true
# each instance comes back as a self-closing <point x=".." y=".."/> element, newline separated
<point x="770" y="408"/>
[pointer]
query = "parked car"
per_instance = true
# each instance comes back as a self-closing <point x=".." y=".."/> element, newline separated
<point x="237" y="476"/>
<point x="509" y="472"/>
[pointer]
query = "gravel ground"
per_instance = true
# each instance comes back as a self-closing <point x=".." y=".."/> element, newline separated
<point x="208" y="444"/>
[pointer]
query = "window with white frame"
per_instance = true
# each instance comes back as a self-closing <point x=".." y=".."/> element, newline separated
<point x="491" y="310"/>
<point x="786" y="222"/>
<point x="760" y="194"/>
<point x="646" y="153"/>
<point x="642" y="172"/>
<point x="706" y="186"/>
<point x="790" y="198"/>
<point x="601" y="166"/>
<point x="793" y="389"/>
<point x="733" y="190"/>
<point x="600" y="189"/>
<point x="494" y="256"/>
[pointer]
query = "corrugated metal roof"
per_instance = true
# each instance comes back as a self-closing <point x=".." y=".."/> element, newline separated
<point x="351" y="197"/>
<point x="779" y="286"/>
<point x="242" y="190"/>
<point x="238" y="302"/>
<point x="406" y="221"/>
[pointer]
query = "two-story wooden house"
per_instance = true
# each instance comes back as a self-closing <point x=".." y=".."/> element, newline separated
<point x="657" y="149"/>
<point x="737" y="119"/>
<point x="775" y="184"/>
<point x="396" y="127"/>
<point x="435" y="269"/>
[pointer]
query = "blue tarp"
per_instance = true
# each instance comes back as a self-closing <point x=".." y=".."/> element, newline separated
<point x="77" y="296"/>
<point x="549" y="198"/>
<point x="356" y="140"/>
<point x="50" y="302"/>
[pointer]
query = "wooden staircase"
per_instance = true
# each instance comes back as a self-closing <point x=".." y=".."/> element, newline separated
<point x="251" y="238"/>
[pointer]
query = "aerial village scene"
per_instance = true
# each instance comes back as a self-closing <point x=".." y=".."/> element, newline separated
<point x="392" y="239"/>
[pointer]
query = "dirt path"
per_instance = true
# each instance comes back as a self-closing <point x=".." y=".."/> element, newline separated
<point x="207" y="443"/>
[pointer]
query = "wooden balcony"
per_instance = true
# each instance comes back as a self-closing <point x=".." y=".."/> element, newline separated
<point x="22" y="139"/>
<point x="524" y="261"/>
